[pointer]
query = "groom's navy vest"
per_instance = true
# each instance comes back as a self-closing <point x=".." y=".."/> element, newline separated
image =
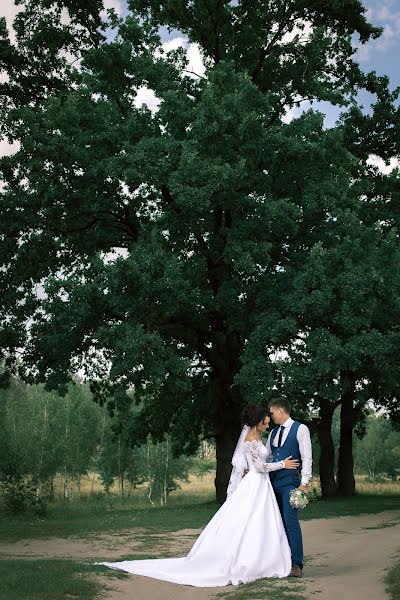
<point x="289" y="448"/>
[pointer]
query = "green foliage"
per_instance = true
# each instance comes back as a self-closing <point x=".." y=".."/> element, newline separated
<point x="43" y="435"/>
<point x="378" y="452"/>
<point x="18" y="493"/>
<point x="163" y="470"/>
<point x="202" y="466"/>
<point x="118" y="460"/>
<point x="152" y="463"/>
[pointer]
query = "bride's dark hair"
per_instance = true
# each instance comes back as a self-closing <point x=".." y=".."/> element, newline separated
<point x="252" y="415"/>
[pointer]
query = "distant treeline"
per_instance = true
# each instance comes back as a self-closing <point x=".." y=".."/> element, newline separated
<point x="45" y="436"/>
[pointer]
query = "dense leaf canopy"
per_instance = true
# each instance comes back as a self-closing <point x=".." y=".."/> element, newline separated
<point x="173" y="251"/>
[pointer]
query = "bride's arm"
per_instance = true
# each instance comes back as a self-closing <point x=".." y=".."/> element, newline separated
<point x="260" y="465"/>
<point x="263" y="467"/>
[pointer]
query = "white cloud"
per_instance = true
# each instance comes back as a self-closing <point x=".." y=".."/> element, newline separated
<point x="115" y="4"/>
<point x="196" y="62"/>
<point x="9" y="11"/>
<point x="147" y="97"/>
<point x="110" y="257"/>
<point x="376" y="161"/>
<point x="195" y="66"/>
<point x="295" y="111"/>
<point x="6" y="149"/>
<point x="385" y="15"/>
<point x="194" y="56"/>
<point x="292" y="113"/>
<point x="303" y="29"/>
<point x="174" y="43"/>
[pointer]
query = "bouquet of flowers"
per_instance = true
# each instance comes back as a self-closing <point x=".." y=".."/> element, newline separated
<point x="298" y="499"/>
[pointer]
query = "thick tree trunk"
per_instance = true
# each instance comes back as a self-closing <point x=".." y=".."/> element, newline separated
<point x="327" y="450"/>
<point x="227" y="431"/>
<point x="51" y="492"/>
<point x="225" y="445"/>
<point x="66" y="484"/>
<point x="345" y="477"/>
<point x="224" y="358"/>
<point x="165" y="491"/>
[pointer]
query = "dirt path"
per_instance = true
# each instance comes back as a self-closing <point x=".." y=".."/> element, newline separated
<point x="346" y="557"/>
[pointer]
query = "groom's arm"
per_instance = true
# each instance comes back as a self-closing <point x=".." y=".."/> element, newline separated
<point x="304" y="439"/>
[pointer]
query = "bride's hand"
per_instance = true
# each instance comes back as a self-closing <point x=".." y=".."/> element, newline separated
<point x="291" y="463"/>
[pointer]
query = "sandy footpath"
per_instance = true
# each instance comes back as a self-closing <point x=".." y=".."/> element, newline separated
<point x="346" y="558"/>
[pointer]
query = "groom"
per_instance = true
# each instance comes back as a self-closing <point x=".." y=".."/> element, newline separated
<point x="289" y="438"/>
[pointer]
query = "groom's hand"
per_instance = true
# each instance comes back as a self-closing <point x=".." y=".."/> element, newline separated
<point x="303" y="488"/>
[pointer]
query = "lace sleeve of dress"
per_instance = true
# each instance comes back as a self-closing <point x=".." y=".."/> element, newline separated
<point x="259" y="464"/>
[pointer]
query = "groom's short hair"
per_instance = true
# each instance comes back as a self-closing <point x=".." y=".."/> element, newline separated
<point x="280" y="402"/>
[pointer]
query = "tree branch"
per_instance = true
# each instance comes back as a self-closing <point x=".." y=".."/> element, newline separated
<point x="265" y="50"/>
<point x="169" y="199"/>
<point x="215" y="24"/>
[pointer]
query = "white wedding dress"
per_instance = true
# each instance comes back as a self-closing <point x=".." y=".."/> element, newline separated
<point x="245" y="540"/>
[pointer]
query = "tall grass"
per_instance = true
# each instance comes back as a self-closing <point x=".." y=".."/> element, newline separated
<point x="199" y="489"/>
<point x="382" y="486"/>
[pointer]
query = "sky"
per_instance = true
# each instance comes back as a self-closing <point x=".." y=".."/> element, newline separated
<point x="381" y="55"/>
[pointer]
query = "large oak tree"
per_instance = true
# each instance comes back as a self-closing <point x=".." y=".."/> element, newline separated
<point x="212" y="200"/>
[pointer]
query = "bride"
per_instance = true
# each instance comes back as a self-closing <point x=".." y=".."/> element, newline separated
<point x="245" y="540"/>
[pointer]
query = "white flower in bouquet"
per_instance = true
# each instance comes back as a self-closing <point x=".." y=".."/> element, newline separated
<point x="298" y="499"/>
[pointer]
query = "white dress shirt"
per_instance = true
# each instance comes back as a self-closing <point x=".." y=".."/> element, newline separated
<point x="304" y="440"/>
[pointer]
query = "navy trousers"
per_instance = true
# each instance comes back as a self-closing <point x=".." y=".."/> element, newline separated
<point x="290" y="518"/>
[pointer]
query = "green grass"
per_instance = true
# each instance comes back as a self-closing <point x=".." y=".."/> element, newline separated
<point x="392" y="581"/>
<point x="266" y="589"/>
<point x="355" y="505"/>
<point x="51" y="580"/>
<point x="83" y="519"/>
<point x="74" y="580"/>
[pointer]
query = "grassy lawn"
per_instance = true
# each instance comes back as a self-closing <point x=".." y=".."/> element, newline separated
<point x="73" y="580"/>
<point x="392" y="581"/>
<point x="51" y="580"/>
<point x="60" y="579"/>
<point x="356" y="505"/>
<point x="83" y="519"/>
